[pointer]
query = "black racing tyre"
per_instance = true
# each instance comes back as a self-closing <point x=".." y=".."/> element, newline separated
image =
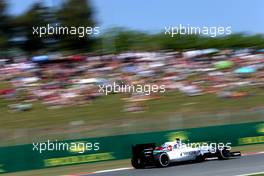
<point x="223" y="154"/>
<point x="200" y="158"/>
<point x="163" y="160"/>
<point x="137" y="163"/>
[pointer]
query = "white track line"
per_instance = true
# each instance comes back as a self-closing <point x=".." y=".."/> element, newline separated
<point x="254" y="173"/>
<point x="112" y="170"/>
<point x="128" y="168"/>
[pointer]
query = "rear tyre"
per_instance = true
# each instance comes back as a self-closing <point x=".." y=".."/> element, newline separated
<point x="137" y="163"/>
<point x="163" y="160"/>
<point x="200" y="158"/>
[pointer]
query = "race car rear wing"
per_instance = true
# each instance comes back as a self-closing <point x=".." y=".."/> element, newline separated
<point x="137" y="149"/>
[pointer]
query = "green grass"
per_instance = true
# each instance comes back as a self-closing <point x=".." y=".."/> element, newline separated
<point x="105" y="116"/>
<point x="5" y="85"/>
<point x="110" y="108"/>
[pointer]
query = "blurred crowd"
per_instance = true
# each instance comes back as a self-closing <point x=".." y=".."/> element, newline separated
<point x="57" y="80"/>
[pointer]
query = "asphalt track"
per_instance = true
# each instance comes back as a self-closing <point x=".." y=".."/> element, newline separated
<point x="236" y="166"/>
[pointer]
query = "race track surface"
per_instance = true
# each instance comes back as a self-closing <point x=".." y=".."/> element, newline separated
<point x="237" y="166"/>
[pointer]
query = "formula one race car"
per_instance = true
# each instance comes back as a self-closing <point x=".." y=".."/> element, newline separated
<point x="149" y="155"/>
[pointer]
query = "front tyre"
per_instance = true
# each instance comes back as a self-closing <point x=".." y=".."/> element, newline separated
<point x="163" y="160"/>
<point x="224" y="154"/>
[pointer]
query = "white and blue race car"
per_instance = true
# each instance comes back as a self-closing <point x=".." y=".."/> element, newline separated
<point x="170" y="152"/>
